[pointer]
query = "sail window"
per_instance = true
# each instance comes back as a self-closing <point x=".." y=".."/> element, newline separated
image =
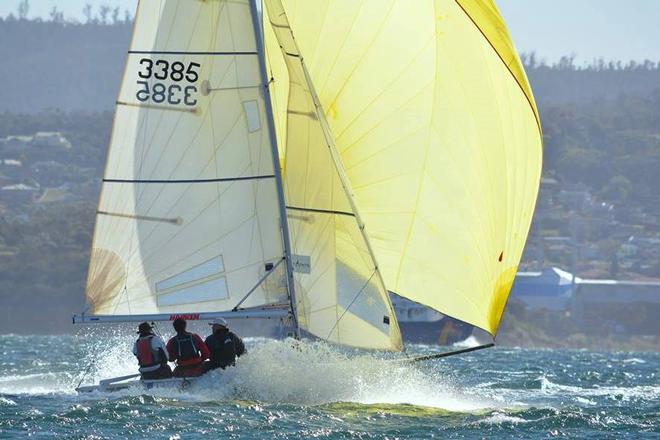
<point x="207" y="269"/>
<point x="213" y="290"/>
<point x="252" y="113"/>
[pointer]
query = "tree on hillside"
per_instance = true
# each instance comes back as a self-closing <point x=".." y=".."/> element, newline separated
<point x="618" y="189"/>
<point x="56" y="16"/>
<point x="104" y="10"/>
<point x="115" y="16"/>
<point x="23" y="9"/>
<point x="87" y="12"/>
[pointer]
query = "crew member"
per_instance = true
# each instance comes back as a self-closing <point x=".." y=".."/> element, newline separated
<point x="187" y="350"/>
<point x="225" y="346"/>
<point x="151" y="355"/>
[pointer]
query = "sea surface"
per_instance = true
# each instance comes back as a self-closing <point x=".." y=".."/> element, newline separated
<point x="282" y="390"/>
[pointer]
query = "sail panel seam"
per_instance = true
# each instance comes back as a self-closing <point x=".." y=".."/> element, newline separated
<point x="223" y="179"/>
<point x="174" y="221"/>
<point x="320" y="211"/>
<point x="165" y="52"/>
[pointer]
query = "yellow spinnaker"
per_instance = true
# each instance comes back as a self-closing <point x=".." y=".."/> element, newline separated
<point x="438" y="133"/>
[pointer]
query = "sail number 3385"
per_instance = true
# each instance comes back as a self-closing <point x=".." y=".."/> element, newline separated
<point x="183" y="91"/>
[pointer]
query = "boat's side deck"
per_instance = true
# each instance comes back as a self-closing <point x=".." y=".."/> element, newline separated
<point x="180" y="383"/>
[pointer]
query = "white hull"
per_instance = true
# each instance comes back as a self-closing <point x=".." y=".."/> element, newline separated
<point x="126" y="382"/>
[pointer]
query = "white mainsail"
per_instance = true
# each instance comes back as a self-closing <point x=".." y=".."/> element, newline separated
<point x="188" y="218"/>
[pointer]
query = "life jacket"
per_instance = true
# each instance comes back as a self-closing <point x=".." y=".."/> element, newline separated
<point x="223" y="349"/>
<point x="186" y="350"/>
<point x="148" y="358"/>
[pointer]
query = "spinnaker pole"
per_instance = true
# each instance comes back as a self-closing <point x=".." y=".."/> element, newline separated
<point x="429" y="357"/>
<point x="258" y="35"/>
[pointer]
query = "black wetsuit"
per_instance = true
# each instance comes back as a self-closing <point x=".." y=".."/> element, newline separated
<point x="225" y="347"/>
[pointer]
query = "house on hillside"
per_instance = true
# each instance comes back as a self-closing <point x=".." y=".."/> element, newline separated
<point x="5" y="180"/>
<point x="577" y="200"/>
<point x="54" y="195"/>
<point x="627" y="307"/>
<point x="50" y="140"/>
<point x="14" y="142"/>
<point x="550" y="289"/>
<point x="18" y="194"/>
<point x="12" y="169"/>
<point x="42" y="139"/>
<point x="51" y="173"/>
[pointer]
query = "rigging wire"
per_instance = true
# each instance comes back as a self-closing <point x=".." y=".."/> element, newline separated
<point x="86" y="372"/>
<point x="351" y="303"/>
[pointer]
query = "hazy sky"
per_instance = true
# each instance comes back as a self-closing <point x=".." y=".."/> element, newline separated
<point x="612" y="29"/>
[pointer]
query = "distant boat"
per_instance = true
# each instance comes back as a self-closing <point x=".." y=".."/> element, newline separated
<point x="254" y="175"/>
<point x="422" y="325"/>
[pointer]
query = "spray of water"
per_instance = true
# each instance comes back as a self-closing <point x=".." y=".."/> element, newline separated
<point x="316" y="373"/>
<point x="304" y="374"/>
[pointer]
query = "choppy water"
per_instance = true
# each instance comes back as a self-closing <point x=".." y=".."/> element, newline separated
<point x="317" y="391"/>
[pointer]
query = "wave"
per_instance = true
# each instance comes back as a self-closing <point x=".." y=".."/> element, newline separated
<point x="36" y="384"/>
<point x="500" y="419"/>
<point x="470" y="341"/>
<point x="646" y="392"/>
<point x="7" y="402"/>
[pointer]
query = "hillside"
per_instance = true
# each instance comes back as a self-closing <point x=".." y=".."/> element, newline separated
<point x="73" y="66"/>
<point x="52" y="65"/>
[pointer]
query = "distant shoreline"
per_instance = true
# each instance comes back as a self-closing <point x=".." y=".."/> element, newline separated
<point x="579" y="341"/>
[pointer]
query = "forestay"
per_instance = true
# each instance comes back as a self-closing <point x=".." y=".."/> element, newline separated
<point x="340" y="292"/>
<point x="438" y="134"/>
<point x="188" y="217"/>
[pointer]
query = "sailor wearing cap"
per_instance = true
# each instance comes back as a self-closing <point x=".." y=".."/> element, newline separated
<point x="151" y="354"/>
<point x="225" y="346"/>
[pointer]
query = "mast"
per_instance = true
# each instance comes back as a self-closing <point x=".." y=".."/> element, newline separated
<point x="258" y="35"/>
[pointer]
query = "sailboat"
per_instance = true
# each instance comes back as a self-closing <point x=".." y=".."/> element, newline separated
<point x="298" y="161"/>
